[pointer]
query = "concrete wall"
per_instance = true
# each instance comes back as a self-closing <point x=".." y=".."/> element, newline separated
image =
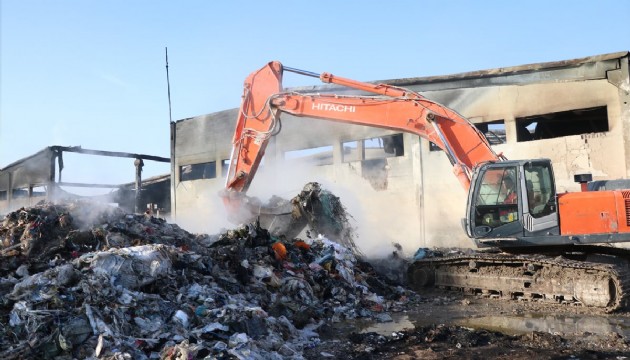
<point x="419" y="201"/>
<point x="602" y="154"/>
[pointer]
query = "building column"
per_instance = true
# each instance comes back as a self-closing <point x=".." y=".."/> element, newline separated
<point x="139" y="164"/>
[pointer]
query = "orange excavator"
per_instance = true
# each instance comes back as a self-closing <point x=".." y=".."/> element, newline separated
<point x="546" y="245"/>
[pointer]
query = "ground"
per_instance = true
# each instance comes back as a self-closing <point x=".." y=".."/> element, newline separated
<point x="445" y="324"/>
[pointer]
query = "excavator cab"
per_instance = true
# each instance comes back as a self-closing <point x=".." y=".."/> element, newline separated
<point x="511" y="201"/>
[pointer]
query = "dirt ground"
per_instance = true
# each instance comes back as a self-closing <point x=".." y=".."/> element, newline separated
<point x="449" y="325"/>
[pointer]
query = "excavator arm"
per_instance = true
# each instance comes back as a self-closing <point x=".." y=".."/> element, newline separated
<point x="383" y="106"/>
<point x="389" y="107"/>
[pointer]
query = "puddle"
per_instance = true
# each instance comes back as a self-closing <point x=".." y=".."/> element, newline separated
<point x="565" y="325"/>
<point x="400" y="322"/>
<point x="554" y="324"/>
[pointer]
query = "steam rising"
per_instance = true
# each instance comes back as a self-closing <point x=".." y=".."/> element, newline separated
<point x="379" y="222"/>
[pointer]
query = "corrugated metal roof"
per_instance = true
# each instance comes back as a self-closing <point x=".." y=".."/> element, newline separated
<point x="19" y="162"/>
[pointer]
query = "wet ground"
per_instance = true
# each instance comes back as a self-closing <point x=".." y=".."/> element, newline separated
<point x="445" y="324"/>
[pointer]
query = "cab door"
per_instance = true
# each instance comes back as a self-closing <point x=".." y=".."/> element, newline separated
<point x="540" y="214"/>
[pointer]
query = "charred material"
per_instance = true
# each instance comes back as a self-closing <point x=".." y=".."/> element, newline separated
<point x="314" y="207"/>
<point x="39" y="177"/>
<point x="85" y="282"/>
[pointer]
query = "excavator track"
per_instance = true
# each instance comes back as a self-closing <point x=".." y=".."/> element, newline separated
<point x="604" y="285"/>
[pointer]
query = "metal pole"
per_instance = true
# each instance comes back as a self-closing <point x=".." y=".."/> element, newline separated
<point x="139" y="164"/>
<point x="174" y="174"/>
<point x="168" y="86"/>
<point x="50" y="189"/>
<point x="10" y="191"/>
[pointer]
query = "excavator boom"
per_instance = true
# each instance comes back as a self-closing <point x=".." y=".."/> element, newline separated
<point x="388" y="107"/>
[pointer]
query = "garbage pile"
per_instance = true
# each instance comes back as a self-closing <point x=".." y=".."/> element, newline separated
<point x="79" y="280"/>
<point x="314" y="206"/>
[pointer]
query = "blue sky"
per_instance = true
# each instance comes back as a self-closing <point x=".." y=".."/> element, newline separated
<point x="92" y="73"/>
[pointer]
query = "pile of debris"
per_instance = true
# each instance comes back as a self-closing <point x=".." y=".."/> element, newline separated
<point x="84" y="281"/>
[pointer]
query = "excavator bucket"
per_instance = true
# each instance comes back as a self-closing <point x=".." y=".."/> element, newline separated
<point x="314" y="207"/>
<point x="283" y="219"/>
<point x="279" y="216"/>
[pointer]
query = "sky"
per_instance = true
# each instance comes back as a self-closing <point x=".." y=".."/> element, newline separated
<point x="93" y="74"/>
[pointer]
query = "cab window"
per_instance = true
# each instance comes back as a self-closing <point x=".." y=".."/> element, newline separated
<point x="497" y="198"/>
<point x="540" y="189"/>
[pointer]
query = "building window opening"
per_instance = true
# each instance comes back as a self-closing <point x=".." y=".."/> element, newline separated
<point x="39" y="191"/>
<point x="198" y="171"/>
<point x="564" y="123"/>
<point x="322" y="155"/>
<point x="373" y="148"/>
<point x="225" y="165"/>
<point x="494" y="131"/>
<point x="351" y="151"/>
<point x="384" y="147"/>
<point x="434" y="147"/>
<point x="20" y="193"/>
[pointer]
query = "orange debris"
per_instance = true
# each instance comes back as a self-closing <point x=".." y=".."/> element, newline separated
<point x="280" y="250"/>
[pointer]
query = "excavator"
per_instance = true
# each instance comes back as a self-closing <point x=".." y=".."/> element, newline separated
<point x="544" y="245"/>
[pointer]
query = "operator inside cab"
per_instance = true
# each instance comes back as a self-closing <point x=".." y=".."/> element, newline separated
<point x="510" y="191"/>
<point x="497" y="202"/>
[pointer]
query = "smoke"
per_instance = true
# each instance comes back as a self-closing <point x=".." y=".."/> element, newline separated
<point x="87" y="213"/>
<point x="204" y="211"/>
<point x="380" y="218"/>
<point x="284" y="178"/>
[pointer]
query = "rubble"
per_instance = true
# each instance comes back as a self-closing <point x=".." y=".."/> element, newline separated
<point x="314" y="207"/>
<point x="441" y="341"/>
<point x="81" y="281"/>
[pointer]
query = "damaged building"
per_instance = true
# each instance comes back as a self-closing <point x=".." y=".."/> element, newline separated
<point x="38" y="177"/>
<point x="574" y="112"/>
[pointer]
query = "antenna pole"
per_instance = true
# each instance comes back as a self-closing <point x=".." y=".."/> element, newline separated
<point x="168" y="85"/>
